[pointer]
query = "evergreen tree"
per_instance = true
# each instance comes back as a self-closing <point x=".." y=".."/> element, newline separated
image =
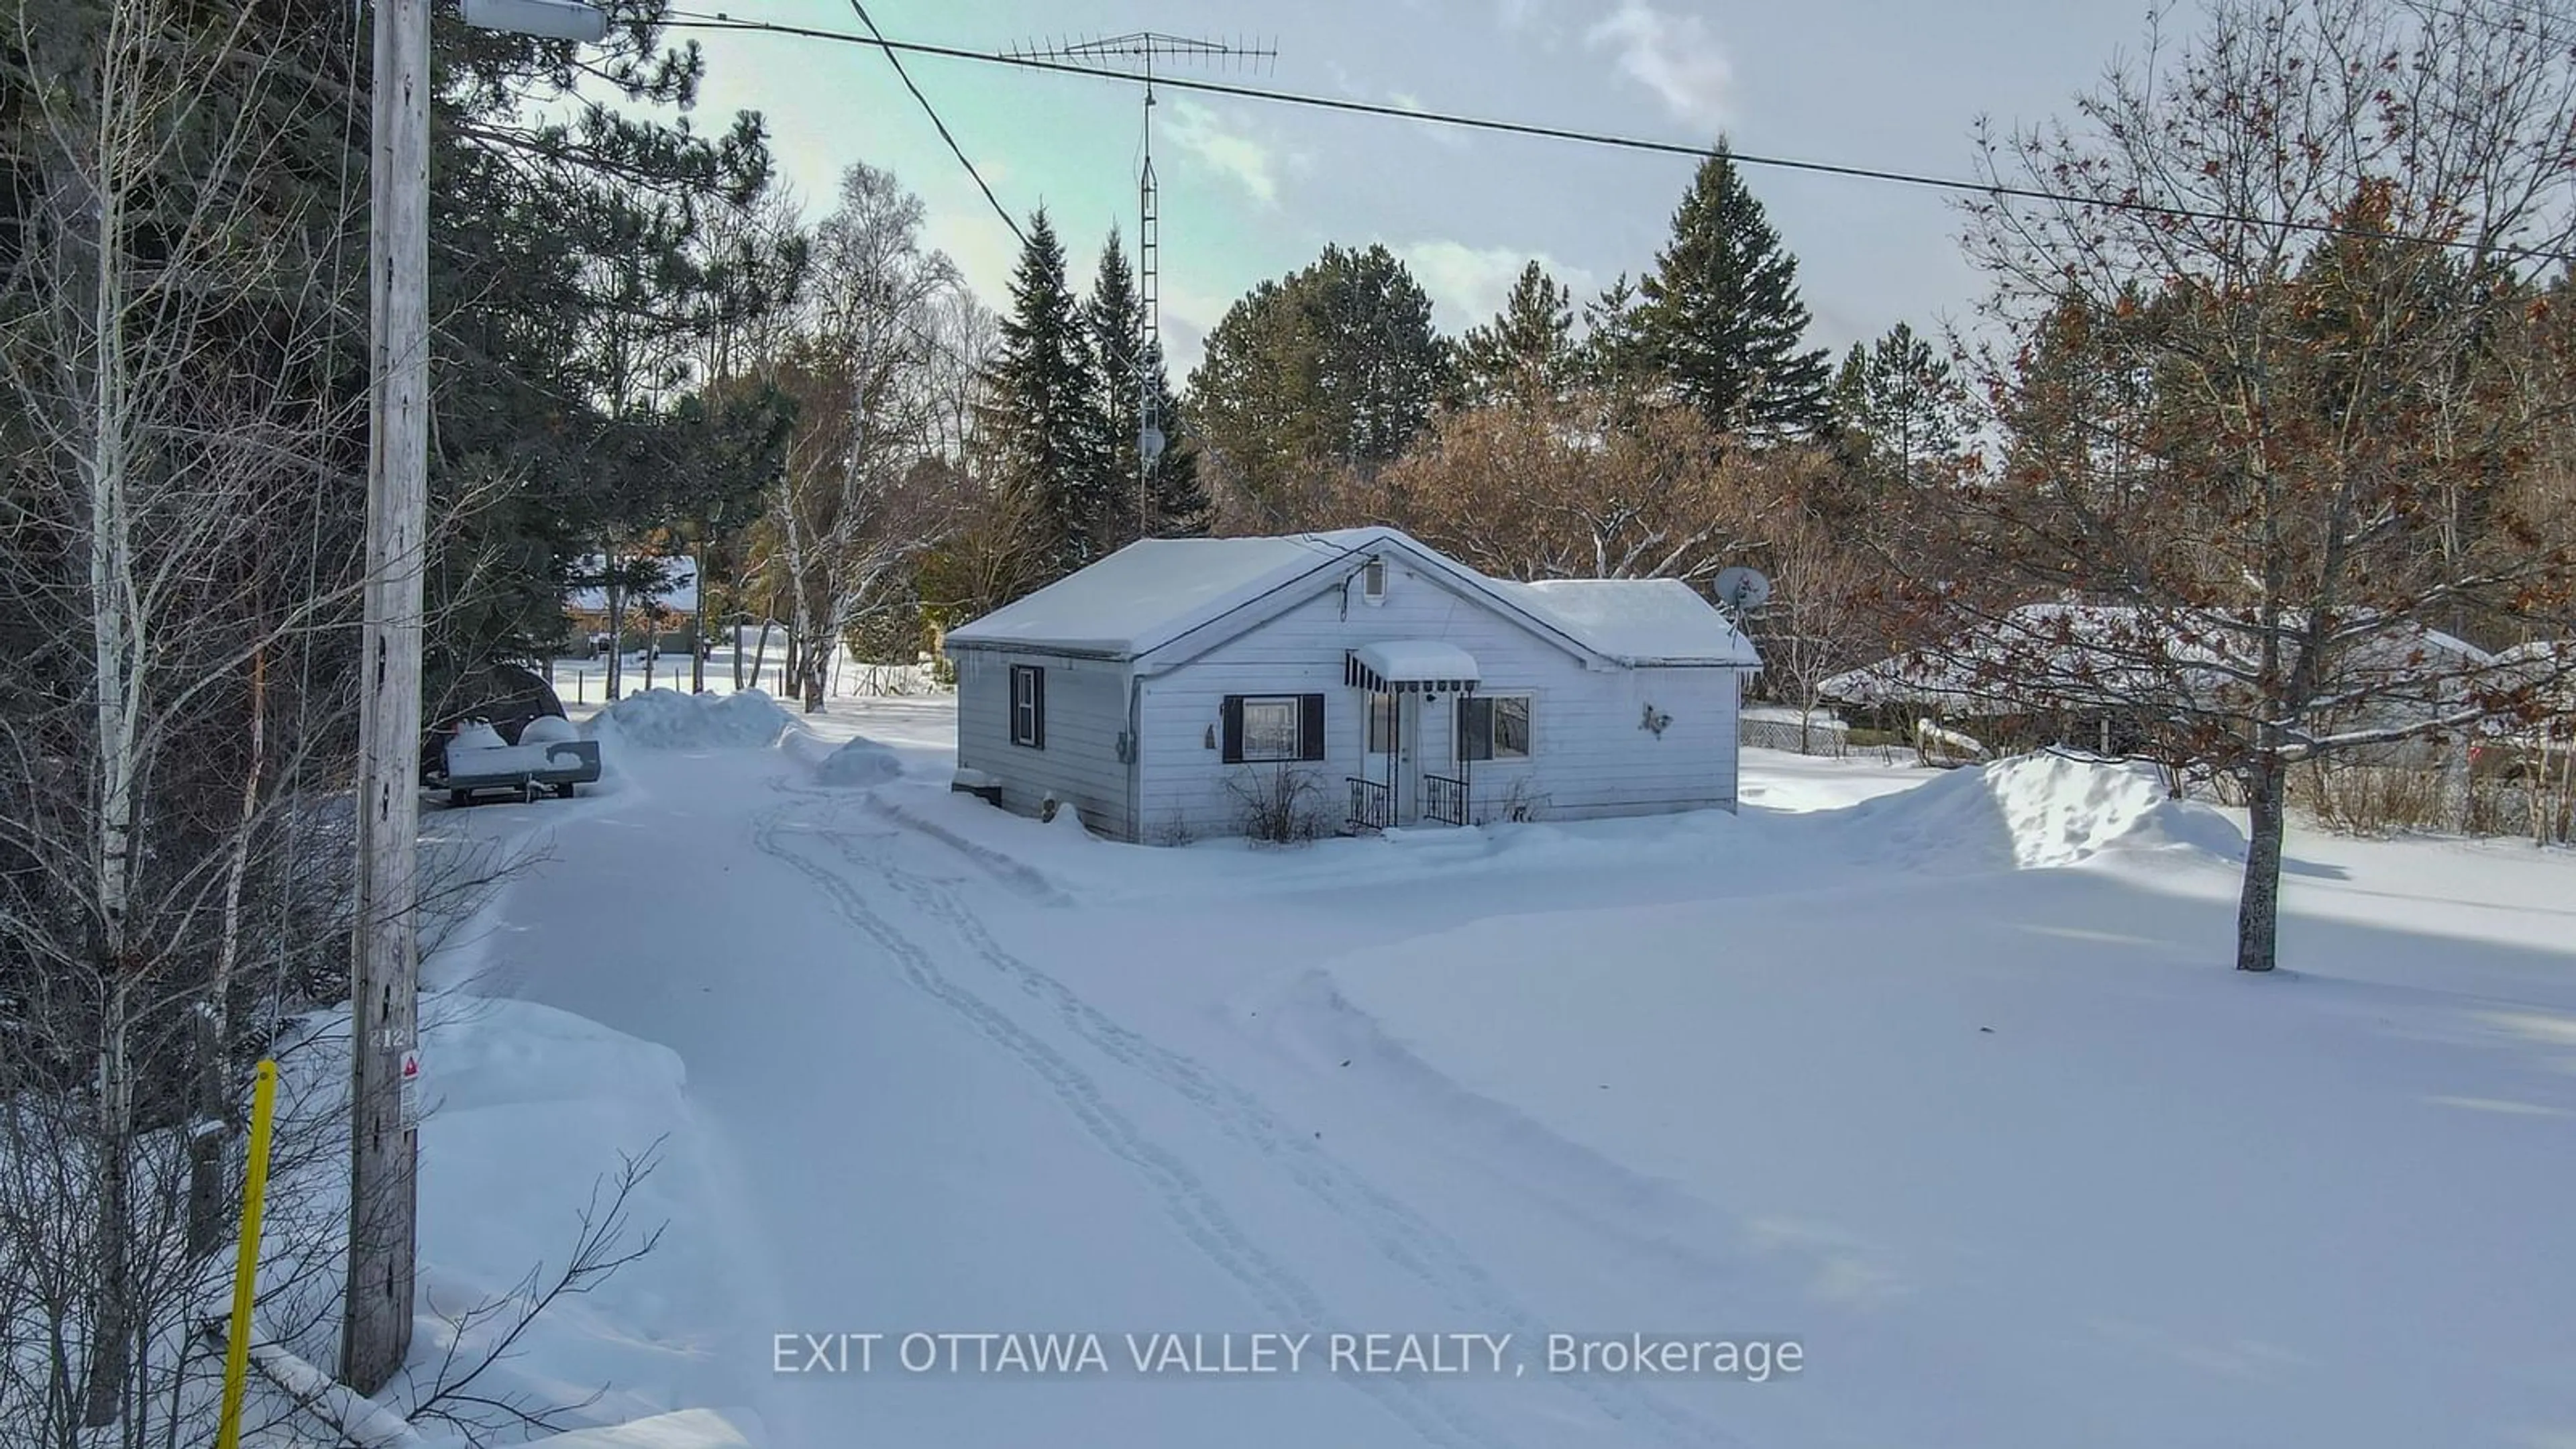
<point x="1615" y="357"/>
<point x="1335" y="367"/>
<point x="1723" y="317"/>
<point x="1383" y="366"/>
<point x="1527" y="351"/>
<point x="1175" y="504"/>
<point x="1043" y="408"/>
<point x="572" y="281"/>
<point x="1898" y="409"/>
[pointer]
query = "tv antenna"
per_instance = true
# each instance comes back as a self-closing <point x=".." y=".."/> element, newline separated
<point x="1743" y="589"/>
<point x="1134" y="56"/>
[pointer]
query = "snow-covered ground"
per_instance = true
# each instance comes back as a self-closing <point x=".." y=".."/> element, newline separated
<point x="762" y="664"/>
<point x="1940" y="1077"/>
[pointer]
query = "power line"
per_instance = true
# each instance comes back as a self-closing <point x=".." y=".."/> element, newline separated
<point x="954" y="149"/>
<point x="1998" y="190"/>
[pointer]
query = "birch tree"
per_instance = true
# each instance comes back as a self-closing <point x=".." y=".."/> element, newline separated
<point x="180" y="468"/>
<point x="853" y="512"/>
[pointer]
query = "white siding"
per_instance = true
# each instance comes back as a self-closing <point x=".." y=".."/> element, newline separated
<point x="1589" y="754"/>
<point x="1604" y="760"/>
<point x="1086" y="711"/>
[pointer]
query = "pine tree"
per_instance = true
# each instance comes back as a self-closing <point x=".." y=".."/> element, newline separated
<point x="1615" y="357"/>
<point x="1527" y="351"/>
<point x="1175" y="504"/>
<point x="1043" y="408"/>
<point x="1334" y="368"/>
<point x="1723" y="317"/>
<point x="1899" y="410"/>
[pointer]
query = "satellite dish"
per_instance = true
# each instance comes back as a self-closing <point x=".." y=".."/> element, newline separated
<point x="1742" y="588"/>
<point x="1149" y="443"/>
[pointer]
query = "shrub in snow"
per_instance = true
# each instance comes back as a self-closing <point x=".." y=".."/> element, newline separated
<point x="858" y="764"/>
<point x="1278" y="804"/>
<point x="1520" y="804"/>
<point x="665" y="719"/>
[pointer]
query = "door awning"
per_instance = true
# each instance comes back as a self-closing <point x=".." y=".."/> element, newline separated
<point x="1420" y="666"/>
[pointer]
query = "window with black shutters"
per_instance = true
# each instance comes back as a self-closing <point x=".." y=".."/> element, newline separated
<point x="1261" y="728"/>
<point x="1028" y="706"/>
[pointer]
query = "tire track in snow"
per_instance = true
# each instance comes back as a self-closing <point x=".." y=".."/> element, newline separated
<point x="1201" y="1217"/>
<point x="1402" y="1235"/>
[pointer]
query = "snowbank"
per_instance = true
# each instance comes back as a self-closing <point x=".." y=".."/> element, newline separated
<point x="855" y="762"/>
<point x="691" y="1429"/>
<point x="1067" y="824"/>
<point x="860" y="763"/>
<point x="2036" y="812"/>
<point x="665" y="719"/>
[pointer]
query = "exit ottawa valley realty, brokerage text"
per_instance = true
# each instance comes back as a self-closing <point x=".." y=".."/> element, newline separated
<point x="1495" y="1355"/>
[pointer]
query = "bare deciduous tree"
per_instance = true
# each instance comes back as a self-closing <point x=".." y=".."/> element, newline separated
<point x="2265" y="454"/>
<point x="177" y="551"/>
<point x="1818" y="621"/>
<point x="857" y="508"/>
<point x="1542" y="488"/>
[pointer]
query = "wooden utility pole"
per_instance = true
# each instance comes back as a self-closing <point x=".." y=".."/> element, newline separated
<point x="384" y="976"/>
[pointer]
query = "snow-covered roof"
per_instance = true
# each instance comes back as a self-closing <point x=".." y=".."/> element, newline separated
<point x="1156" y="591"/>
<point x="2073" y="655"/>
<point x="1416" y="661"/>
<point x="2546" y="667"/>
<point x="1639" y="621"/>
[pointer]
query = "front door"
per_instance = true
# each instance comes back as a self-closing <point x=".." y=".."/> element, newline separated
<point x="1423" y="746"/>
<point x="1378" y="765"/>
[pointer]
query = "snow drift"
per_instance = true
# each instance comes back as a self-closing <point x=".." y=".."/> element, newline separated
<point x="856" y="765"/>
<point x="2039" y="811"/>
<point x="665" y="719"/>
<point x="689" y="1429"/>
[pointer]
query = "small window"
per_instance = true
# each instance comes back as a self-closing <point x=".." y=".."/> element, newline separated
<point x="1270" y="728"/>
<point x="1381" y="723"/>
<point x="1494" y="727"/>
<point x="1373" y="581"/>
<point x="1028" y="706"/>
<point x="1260" y="728"/>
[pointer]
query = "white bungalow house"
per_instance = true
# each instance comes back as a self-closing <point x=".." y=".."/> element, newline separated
<point x="1157" y="688"/>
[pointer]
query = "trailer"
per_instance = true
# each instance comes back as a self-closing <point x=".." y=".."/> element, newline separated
<point x="549" y="756"/>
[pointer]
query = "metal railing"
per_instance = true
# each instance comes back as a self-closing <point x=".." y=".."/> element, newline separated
<point x="1444" y="799"/>
<point x="1372" y="803"/>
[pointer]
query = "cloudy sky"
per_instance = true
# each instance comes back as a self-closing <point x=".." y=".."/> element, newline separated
<point x="1253" y="190"/>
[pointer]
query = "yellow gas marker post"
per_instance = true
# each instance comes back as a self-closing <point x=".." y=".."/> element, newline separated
<point x="263" y="1104"/>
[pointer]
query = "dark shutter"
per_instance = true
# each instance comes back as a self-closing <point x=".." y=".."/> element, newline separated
<point x="1037" y="690"/>
<point x="1310" y="733"/>
<point x="1233" y="714"/>
<point x="1475" y="728"/>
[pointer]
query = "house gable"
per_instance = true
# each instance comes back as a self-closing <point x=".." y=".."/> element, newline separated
<point x="1165" y="601"/>
<point x="1412" y="566"/>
